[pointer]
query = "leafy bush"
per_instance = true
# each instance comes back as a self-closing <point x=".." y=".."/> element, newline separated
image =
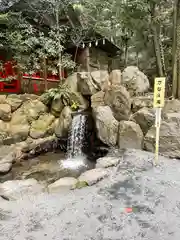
<point x="64" y="93"/>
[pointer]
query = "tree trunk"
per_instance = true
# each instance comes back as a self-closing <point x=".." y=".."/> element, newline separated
<point x="59" y="45"/>
<point x="156" y="41"/>
<point x="45" y="74"/>
<point x="126" y="55"/>
<point x="174" y="50"/>
<point x="178" y="49"/>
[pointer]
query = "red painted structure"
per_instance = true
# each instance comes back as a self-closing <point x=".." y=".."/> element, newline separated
<point x="15" y="85"/>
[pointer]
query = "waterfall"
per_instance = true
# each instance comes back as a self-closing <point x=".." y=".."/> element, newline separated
<point x="76" y="136"/>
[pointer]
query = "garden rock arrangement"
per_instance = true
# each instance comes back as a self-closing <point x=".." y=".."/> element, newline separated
<point x="31" y="124"/>
<point x="16" y="189"/>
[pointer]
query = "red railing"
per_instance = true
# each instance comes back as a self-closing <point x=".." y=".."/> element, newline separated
<point x="14" y="86"/>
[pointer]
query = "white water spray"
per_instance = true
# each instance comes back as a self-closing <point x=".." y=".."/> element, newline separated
<point x="75" y="157"/>
<point x="76" y="137"/>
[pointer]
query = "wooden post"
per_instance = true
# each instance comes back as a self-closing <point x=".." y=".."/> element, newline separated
<point x="45" y="74"/>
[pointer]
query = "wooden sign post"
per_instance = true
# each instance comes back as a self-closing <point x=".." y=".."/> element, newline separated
<point x="159" y="92"/>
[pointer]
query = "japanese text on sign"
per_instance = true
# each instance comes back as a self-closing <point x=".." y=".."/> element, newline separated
<point x="159" y="91"/>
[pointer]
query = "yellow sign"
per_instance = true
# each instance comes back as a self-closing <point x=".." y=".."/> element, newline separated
<point x="159" y="92"/>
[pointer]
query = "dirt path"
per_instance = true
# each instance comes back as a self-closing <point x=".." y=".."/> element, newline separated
<point x="98" y="212"/>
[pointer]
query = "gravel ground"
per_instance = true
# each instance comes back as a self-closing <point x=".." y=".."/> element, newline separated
<point x="97" y="212"/>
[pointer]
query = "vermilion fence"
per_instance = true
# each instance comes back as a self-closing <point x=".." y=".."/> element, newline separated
<point x="25" y="83"/>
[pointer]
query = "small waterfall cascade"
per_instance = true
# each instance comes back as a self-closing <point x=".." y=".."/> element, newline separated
<point x="76" y="136"/>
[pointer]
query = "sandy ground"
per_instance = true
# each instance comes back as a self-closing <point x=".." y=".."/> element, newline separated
<point x="98" y="212"/>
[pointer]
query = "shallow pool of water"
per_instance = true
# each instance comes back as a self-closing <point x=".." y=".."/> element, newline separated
<point x="46" y="168"/>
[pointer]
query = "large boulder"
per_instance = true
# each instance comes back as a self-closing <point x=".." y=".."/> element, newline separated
<point x="14" y="101"/>
<point x="57" y="107"/>
<point x="16" y="189"/>
<point x="90" y="83"/>
<point x="115" y="77"/>
<point x="63" y="184"/>
<point x="141" y="102"/>
<point x="106" y="125"/>
<point x="33" y="109"/>
<point x="130" y="135"/>
<point x="135" y="81"/>
<point x="17" y="133"/>
<point x="169" y="136"/>
<point x="3" y="131"/>
<point x="97" y="99"/>
<point x="42" y="126"/>
<point x="2" y="99"/>
<point x="118" y="99"/>
<point x="5" y="112"/>
<point x="101" y="79"/>
<point x="80" y="100"/>
<point x="85" y="84"/>
<point x="171" y="106"/>
<point x="72" y="82"/>
<point x="64" y="123"/>
<point x="145" y="118"/>
<point x="93" y="176"/>
<point x="7" y="157"/>
<point x="19" y="126"/>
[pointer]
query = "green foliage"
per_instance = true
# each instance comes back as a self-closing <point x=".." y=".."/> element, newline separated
<point x="81" y="184"/>
<point x="74" y="105"/>
<point x="29" y="44"/>
<point x="64" y="93"/>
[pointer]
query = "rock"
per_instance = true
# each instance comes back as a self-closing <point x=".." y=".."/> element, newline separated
<point x="33" y="109"/>
<point x="7" y="157"/>
<point x="101" y="79"/>
<point x="2" y="99"/>
<point x="14" y="101"/>
<point x="130" y="135"/>
<point x="66" y="183"/>
<point x="93" y="176"/>
<point x="145" y="118"/>
<point x="90" y="83"/>
<point x="86" y="84"/>
<point x="26" y="97"/>
<point x="106" y="162"/>
<point x="106" y="125"/>
<point x="19" y="117"/>
<point x="141" y="102"/>
<point x="97" y="99"/>
<point x="135" y="81"/>
<point x="18" y="133"/>
<point x="57" y="107"/>
<point x="16" y="189"/>
<point x="5" y="167"/>
<point x="80" y="100"/>
<point x="118" y="99"/>
<point x="72" y="82"/>
<point x="40" y="145"/>
<point x="64" y="123"/>
<point x="115" y="77"/>
<point x="5" y="112"/>
<point x="169" y="137"/>
<point x="3" y="131"/>
<point x="171" y="106"/>
<point x="42" y="126"/>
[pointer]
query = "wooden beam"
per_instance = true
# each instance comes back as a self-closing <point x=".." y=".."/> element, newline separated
<point x="41" y="79"/>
